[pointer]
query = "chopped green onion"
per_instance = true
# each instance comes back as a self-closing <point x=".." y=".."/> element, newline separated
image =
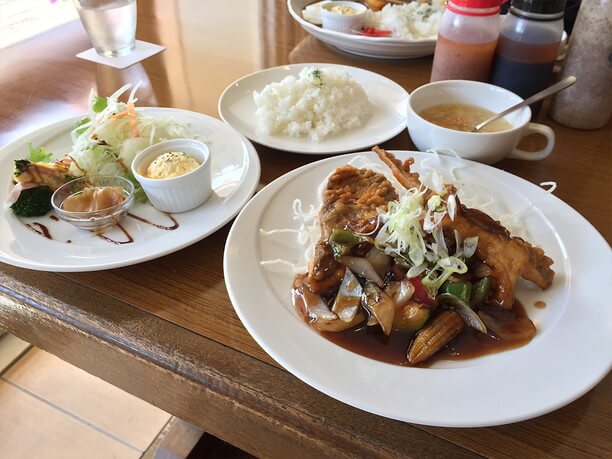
<point x="448" y="266"/>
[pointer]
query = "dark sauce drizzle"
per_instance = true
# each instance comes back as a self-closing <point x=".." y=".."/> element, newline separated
<point x="162" y="227"/>
<point x="39" y="228"/>
<point x="129" y="237"/>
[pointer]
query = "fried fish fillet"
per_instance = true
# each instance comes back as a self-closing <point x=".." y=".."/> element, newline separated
<point x="509" y="258"/>
<point x="351" y="199"/>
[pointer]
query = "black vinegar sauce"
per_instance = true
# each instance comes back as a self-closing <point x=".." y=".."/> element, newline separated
<point x="42" y="230"/>
<point x="128" y="237"/>
<point x="373" y="343"/>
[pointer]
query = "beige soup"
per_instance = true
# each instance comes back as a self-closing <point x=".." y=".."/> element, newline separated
<point x="463" y="117"/>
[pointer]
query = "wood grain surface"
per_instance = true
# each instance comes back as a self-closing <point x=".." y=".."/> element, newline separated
<point x="166" y="331"/>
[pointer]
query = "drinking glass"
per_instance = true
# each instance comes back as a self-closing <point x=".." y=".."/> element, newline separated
<point x="110" y="24"/>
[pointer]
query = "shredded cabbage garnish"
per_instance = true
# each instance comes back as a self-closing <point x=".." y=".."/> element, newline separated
<point x="107" y="140"/>
<point x="412" y="232"/>
<point x="308" y="233"/>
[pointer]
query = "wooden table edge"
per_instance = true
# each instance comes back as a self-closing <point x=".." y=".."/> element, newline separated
<point x="248" y="403"/>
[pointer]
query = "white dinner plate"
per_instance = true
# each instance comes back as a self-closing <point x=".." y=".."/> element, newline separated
<point x="570" y="354"/>
<point x="375" y="47"/>
<point x="235" y="174"/>
<point x="388" y="101"/>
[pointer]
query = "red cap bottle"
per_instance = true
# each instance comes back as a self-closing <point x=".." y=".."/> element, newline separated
<point x="466" y="41"/>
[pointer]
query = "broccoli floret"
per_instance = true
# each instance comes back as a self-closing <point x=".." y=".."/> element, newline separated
<point x="33" y="202"/>
<point x="20" y="166"/>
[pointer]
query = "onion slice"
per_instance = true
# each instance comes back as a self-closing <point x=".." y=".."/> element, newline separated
<point x="468" y="315"/>
<point x="380" y="306"/>
<point x="519" y="329"/>
<point x="362" y="267"/>
<point x="379" y="260"/>
<point x="16" y="191"/>
<point x="400" y="292"/>
<point x="346" y="304"/>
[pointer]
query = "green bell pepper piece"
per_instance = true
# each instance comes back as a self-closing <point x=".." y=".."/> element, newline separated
<point x="462" y="290"/>
<point x="342" y="241"/>
<point x="480" y="292"/>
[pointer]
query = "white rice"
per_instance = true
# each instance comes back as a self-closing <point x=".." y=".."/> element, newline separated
<point x="318" y="103"/>
<point x="411" y="21"/>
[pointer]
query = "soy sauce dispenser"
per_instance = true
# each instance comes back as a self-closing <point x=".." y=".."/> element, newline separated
<point x="528" y="46"/>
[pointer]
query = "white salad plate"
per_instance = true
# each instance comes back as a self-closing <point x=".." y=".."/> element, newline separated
<point x="388" y="102"/>
<point x="570" y="354"/>
<point x="375" y="47"/>
<point x="235" y="174"/>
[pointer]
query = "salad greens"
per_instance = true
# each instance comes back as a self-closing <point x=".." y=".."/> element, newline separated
<point x="98" y="104"/>
<point x="106" y="141"/>
<point x="39" y="155"/>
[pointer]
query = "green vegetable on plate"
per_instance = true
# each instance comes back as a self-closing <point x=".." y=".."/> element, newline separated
<point x="462" y="290"/>
<point x="480" y="292"/>
<point x="343" y="240"/>
<point x="39" y="155"/>
<point x="98" y="104"/>
<point x="33" y="202"/>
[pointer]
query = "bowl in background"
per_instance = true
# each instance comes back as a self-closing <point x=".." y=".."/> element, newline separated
<point x="345" y="23"/>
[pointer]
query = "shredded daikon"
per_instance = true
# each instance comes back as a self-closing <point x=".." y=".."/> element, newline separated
<point x="106" y="141"/>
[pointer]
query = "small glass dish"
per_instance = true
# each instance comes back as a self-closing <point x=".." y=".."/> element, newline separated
<point x="99" y="219"/>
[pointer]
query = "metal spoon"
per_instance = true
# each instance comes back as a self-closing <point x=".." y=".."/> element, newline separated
<point x="564" y="83"/>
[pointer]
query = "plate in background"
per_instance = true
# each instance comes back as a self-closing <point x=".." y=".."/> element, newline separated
<point x="374" y="47"/>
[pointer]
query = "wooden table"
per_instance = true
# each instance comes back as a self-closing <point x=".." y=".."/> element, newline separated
<point x="165" y="330"/>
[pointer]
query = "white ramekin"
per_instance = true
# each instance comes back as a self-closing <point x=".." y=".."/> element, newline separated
<point x="176" y="194"/>
<point x="346" y="23"/>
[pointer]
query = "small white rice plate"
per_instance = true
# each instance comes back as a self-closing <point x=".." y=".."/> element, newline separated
<point x="318" y="103"/>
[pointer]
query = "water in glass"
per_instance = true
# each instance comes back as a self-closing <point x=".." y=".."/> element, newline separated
<point x="110" y="24"/>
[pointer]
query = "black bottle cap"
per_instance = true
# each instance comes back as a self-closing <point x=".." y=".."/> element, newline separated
<point x="539" y="6"/>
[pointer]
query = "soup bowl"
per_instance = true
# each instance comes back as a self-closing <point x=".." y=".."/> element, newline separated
<point x="485" y="147"/>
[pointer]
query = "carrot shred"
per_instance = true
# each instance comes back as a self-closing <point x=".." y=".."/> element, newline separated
<point x="133" y="121"/>
<point x="120" y="114"/>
